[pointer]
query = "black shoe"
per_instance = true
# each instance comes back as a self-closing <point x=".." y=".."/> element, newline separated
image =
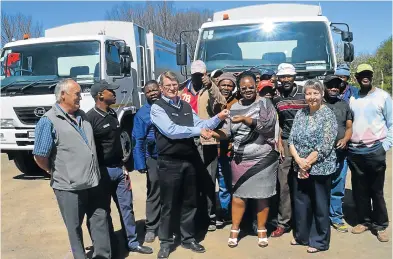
<point x="176" y="238"/>
<point x="194" y="246"/>
<point x="142" y="250"/>
<point x="163" y="253"/>
<point x="149" y="237"/>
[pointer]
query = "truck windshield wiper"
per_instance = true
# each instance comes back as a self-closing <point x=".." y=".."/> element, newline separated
<point x="37" y="82"/>
<point x="235" y="66"/>
<point x="84" y="78"/>
<point x="12" y="83"/>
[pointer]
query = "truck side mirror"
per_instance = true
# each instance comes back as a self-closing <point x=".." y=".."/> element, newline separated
<point x="347" y="36"/>
<point x="122" y="50"/>
<point x="125" y="65"/>
<point x="129" y="53"/>
<point x="181" y="54"/>
<point x="349" y="52"/>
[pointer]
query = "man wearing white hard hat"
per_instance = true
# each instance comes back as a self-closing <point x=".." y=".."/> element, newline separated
<point x="207" y="101"/>
<point x="289" y="99"/>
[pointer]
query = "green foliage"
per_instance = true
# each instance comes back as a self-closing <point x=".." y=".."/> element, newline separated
<point x="381" y="62"/>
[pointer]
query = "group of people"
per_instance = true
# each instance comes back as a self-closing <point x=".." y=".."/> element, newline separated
<point x="275" y="147"/>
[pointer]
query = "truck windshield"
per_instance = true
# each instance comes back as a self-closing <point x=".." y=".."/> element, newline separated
<point x="304" y="44"/>
<point x="79" y="60"/>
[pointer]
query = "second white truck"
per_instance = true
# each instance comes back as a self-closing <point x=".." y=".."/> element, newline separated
<point x="266" y="35"/>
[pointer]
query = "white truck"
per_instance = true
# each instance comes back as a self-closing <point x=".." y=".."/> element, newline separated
<point x="264" y="36"/>
<point x="119" y="52"/>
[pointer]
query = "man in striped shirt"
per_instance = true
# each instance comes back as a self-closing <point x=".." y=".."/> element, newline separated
<point x="289" y="99"/>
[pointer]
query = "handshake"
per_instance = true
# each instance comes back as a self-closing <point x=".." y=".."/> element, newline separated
<point x="208" y="133"/>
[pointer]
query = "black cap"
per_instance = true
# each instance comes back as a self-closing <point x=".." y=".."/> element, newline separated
<point x="101" y="86"/>
<point x="255" y="70"/>
<point x="331" y="78"/>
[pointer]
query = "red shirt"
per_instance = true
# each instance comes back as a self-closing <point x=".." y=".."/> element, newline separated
<point x="189" y="97"/>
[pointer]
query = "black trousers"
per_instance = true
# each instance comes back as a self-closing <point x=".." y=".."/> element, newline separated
<point x="178" y="199"/>
<point x="153" y="205"/>
<point x="311" y="211"/>
<point x="368" y="178"/>
<point x="280" y="214"/>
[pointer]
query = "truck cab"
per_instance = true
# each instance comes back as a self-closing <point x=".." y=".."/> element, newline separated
<point x="264" y="36"/>
<point x="117" y="52"/>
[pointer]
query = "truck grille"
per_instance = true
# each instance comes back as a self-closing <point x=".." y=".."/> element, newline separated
<point x="30" y="115"/>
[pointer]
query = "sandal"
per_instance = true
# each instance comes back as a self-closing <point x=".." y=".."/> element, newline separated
<point x="262" y="241"/>
<point x="312" y="250"/>
<point x="232" y="242"/>
<point x="294" y="242"/>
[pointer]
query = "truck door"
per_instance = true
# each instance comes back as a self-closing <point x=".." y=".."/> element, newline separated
<point x="142" y="64"/>
<point x="113" y="70"/>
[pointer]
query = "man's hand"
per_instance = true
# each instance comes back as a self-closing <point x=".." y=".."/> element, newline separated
<point x="223" y="114"/>
<point x="237" y="119"/>
<point x="206" y="133"/>
<point x="207" y="82"/>
<point x="142" y="171"/>
<point x="125" y="171"/>
<point x="341" y="144"/>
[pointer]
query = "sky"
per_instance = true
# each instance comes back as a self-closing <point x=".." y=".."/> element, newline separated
<point x="370" y="21"/>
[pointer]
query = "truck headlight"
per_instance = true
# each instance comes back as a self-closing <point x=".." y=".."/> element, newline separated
<point x="7" y="123"/>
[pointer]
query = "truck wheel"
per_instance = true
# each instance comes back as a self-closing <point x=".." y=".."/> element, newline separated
<point x="126" y="144"/>
<point x="24" y="161"/>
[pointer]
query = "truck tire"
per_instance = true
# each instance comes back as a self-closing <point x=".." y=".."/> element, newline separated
<point x="126" y="144"/>
<point x="24" y="161"/>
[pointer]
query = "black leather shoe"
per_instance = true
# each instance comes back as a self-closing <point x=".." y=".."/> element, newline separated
<point x="194" y="246"/>
<point x="163" y="253"/>
<point x="142" y="250"/>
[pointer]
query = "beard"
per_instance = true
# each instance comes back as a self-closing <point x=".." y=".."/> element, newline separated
<point x="287" y="86"/>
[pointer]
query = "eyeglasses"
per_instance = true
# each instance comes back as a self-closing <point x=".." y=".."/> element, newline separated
<point x="171" y="86"/>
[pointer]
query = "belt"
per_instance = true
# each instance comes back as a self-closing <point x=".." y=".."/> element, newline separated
<point x="115" y="166"/>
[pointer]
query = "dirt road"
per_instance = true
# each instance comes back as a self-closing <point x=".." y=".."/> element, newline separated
<point x="32" y="227"/>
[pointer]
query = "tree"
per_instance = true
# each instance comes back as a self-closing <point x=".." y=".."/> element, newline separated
<point x="382" y="64"/>
<point x="15" y="26"/>
<point x="162" y="19"/>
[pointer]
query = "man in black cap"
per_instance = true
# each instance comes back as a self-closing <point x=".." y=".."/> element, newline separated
<point x="114" y="176"/>
<point x="333" y="91"/>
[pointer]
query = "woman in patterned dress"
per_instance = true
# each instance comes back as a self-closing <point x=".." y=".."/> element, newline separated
<point x="255" y="160"/>
<point x="311" y="143"/>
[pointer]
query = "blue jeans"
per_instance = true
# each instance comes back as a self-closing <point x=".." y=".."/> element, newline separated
<point x="224" y="182"/>
<point x="123" y="199"/>
<point x="338" y="189"/>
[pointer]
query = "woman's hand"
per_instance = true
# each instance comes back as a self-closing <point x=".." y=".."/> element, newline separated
<point x="303" y="163"/>
<point x="238" y="119"/>
<point x="302" y="174"/>
<point x="281" y="150"/>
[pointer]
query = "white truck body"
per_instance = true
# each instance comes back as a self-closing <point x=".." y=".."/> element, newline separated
<point x="86" y="52"/>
